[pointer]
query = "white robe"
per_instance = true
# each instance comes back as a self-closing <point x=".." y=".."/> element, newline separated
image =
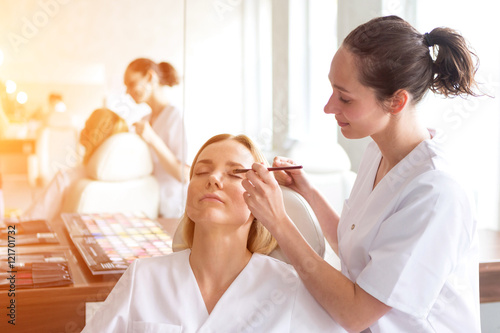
<point x="411" y="243"/>
<point x="169" y="126"/>
<point x="161" y="294"/>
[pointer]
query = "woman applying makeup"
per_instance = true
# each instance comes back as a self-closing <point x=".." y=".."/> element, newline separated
<point x="407" y="234"/>
<point x="163" y="129"/>
<point x="222" y="281"/>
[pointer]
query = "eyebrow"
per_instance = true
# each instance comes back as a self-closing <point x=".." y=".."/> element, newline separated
<point x="229" y="163"/>
<point x="336" y="86"/>
<point x="341" y="88"/>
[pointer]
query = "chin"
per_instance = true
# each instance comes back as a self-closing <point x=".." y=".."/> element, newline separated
<point x="349" y="134"/>
<point x="207" y="216"/>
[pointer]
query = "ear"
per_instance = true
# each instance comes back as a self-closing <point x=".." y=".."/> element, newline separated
<point x="150" y="75"/>
<point x="398" y="101"/>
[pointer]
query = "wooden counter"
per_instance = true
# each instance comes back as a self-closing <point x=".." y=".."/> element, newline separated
<point x="60" y="309"/>
<point x="489" y="266"/>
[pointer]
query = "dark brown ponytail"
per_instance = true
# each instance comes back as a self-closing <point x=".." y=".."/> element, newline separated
<point x="167" y="74"/>
<point x="392" y="55"/>
<point x="455" y="65"/>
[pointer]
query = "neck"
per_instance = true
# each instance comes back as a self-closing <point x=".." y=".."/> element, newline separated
<point x="158" y="101"/>
<point x="218" y="255"/>
<point x="403" y="133"/>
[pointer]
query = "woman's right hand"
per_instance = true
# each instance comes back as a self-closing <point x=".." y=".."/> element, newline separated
<point x="145" y="131"/>
<point x="294" y="179"/>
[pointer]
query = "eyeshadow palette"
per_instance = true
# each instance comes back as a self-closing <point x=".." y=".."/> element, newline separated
<point x="109" y="243"/>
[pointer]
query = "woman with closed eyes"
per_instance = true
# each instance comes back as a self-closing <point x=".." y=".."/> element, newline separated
<point x="223" y="280"/>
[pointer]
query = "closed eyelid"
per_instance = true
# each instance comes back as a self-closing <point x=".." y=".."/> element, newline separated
<point x="201" y="169"/>
<point x="207" y="170"/>
<point x="236" y="175"/>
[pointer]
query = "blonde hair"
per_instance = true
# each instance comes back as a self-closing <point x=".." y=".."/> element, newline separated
<point x="260" y="239"/>
<point x="101" y="124"/>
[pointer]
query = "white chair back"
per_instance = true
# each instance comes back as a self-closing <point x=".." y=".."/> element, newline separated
<point x="119" y="179"/>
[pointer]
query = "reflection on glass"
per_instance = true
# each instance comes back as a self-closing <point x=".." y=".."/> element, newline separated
<point x="162" y="129"/>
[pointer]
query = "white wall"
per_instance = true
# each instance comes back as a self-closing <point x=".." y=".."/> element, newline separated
<point x="214" y="73"/>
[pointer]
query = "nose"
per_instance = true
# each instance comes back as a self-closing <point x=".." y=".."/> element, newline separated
<point x="330" y="107"/>
<point x="128" y="91"/>
<point x="215" y="180"/>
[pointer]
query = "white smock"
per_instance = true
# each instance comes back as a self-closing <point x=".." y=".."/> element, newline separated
<point x="411" y="243"/>
<point x="169" y="126"/>
<point x="161" y="294"/>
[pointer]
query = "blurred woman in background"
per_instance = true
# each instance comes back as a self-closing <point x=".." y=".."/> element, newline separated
<point x="163" y="129"/>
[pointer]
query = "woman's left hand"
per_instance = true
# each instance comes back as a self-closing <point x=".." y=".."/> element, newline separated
<point x="263" y="196"/>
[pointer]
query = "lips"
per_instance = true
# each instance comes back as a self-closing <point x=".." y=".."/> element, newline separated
<point x="341" y="124"/>
<point x="211" y="197"/>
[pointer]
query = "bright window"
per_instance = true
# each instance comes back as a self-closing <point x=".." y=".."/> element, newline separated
<point x="471" y="126"/>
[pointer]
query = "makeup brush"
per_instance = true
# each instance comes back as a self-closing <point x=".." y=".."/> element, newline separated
<point x="271" y="169"/>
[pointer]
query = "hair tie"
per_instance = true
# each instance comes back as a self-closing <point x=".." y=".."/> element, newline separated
<point x="428" y="41"/>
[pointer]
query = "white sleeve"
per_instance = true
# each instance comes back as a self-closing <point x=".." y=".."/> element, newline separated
<point x="309" y="316"/>
<point x="173" y="134"/>
<point x="419" y="245"/>
<point x="113" y="315"/>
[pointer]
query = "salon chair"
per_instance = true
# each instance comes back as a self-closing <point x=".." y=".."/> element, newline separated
<point x="301" y="214"/>
<point x="119" y="179"/>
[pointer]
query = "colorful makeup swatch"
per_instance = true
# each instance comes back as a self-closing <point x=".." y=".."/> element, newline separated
<point x="109" y="243"/>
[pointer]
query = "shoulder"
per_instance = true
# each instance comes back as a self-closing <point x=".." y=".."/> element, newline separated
<point x="169" y="122"/>
<point x="263" y="260"/>
<point x="425" y="167"/>
<point x="272" y="270"/>
<point x="437" y="193"/>
<point x="431" y="172"/>
<point x="437" y="196"/>
<point x="425" y="183"/>
<point x="429" y="175"/>
<point x="170" y="112"/>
